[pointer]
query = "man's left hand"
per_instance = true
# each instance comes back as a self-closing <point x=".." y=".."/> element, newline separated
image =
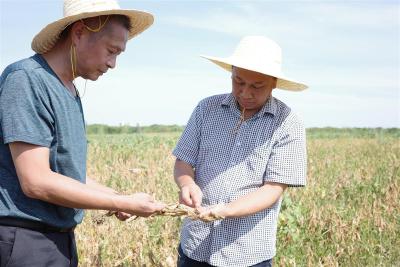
<point x="213" y="213"/>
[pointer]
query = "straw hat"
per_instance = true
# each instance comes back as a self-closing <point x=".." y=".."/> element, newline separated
<point x="259" y="54"/>
<point x="75" y="10"/>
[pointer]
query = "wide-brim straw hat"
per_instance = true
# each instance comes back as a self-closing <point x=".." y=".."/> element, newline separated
<point x="75" y="10"/>
<point x="262" y="55"/>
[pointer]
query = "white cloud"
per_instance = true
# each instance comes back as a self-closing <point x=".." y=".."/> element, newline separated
<point x="360" y="14"/>
<point x="304" y="18"/>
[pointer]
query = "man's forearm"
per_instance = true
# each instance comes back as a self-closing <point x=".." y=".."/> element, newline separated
<point x="38" y="181"/>
<point x="183" y="173"/>
<point x="95" y="185"/>
<point x="64" y="191"/>
<point x="264" y="197"/>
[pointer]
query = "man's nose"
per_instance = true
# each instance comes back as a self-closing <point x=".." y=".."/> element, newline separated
<point x="112" y="62"/>
<point x="246" y="91"/>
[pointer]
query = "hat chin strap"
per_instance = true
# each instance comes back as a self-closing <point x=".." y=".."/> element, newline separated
<point x="73" y="61"/>
<point x="73" y="69"/>
<point x="235" y="131"/>
<point x="101" y="24"/>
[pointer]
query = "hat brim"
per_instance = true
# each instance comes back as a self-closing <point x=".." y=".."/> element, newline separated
<point x="283" y="82"/>
<point x="48" y="36"/>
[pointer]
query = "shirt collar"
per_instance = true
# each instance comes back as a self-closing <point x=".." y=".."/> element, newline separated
<point x="269" y="106"/>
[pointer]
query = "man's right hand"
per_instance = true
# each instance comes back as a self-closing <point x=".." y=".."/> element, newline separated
<point x="190" y="195"/>
<point x="141" y="204"/>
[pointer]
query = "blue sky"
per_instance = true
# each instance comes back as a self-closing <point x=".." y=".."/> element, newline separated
<point x="346" y="51"/>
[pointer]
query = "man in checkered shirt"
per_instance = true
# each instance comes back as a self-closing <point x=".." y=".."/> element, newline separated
<point x="235" y="158"/>
<point x="237" y="155"/>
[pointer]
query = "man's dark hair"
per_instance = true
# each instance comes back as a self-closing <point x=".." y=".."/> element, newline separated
<point x="121" y="19"/>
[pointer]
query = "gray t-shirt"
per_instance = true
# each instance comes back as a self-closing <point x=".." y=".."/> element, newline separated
<point x="36" y="108"/>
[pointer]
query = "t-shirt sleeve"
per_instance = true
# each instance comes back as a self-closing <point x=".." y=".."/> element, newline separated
<point x="187" y="148"/>
<point x="288" y="160"/>
<point x="25" y="114"/>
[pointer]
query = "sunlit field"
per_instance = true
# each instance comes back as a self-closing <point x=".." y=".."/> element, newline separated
<point x="347" y="215"/>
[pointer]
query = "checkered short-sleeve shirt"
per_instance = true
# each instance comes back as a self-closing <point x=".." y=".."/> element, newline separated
<point x="268" y="147"/>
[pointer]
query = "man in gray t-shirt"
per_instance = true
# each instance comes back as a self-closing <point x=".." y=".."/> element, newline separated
<point x="43" y="184"/>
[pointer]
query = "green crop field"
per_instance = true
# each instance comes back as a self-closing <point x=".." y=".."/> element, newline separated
<point x="347" y="215"/>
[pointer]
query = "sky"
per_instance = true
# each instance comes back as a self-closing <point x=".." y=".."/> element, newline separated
<point x="348" y="52"/>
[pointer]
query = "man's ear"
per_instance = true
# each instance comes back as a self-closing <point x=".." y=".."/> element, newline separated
<point x="275" y="82"/>
<point x="77" y="31"/>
